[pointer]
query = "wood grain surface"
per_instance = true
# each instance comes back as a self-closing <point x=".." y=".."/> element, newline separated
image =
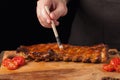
<point x="56" y="71"/>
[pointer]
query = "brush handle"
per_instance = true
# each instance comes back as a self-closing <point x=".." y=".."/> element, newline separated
<point x="54" y="29"/>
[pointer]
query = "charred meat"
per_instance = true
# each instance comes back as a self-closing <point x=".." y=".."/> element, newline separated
<point x="51" y="52"/>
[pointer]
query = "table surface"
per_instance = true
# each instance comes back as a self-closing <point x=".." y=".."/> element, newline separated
<point x="56" y="71"/>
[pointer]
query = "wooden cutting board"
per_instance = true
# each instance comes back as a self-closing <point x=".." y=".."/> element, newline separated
<point x="56" y="71"/>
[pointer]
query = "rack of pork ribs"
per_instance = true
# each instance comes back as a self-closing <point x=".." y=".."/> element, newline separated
<point x="51" y="52"/>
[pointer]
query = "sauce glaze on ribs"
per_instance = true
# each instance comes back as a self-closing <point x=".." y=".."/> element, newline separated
<point x="51" y="52"/>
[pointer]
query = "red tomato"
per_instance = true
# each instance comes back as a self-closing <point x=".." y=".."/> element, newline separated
<point x="19" y="59"/>
<point x="108" y="67"/>
<point x="9" y="64"/>
<point x="6" y="61"/>
<point x="12" y="65"/>
<point x="115" y="61"/>
<point x="15" y="62"/>
<point x="117" y="68"/>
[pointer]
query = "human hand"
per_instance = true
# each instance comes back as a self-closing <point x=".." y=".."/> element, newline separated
<point x="57" y="8"/>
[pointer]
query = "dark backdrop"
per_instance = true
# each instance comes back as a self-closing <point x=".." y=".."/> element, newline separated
<point x="19" y="25"/>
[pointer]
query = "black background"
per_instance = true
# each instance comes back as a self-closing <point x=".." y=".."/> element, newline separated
<point x="19" y="25"/>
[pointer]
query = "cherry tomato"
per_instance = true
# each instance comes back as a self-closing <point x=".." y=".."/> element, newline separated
<point x="117" y="68"/>
<point x="6" y="61"/>
<point x="19" y="59"/>
<point x="12" y="65"/>
<point x="115" y="61"/>
<point x="108" y="67"/>
<point x="9" y="64"/>
<point x="15" y="62"/>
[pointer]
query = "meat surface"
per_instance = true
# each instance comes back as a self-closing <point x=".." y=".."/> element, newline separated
<point x="51" y="52"/>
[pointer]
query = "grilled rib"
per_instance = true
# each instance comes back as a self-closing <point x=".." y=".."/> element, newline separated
<point x="51" y="52"/>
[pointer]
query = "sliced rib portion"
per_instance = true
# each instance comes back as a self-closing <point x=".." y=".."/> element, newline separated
<point x="51" y="52"/>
